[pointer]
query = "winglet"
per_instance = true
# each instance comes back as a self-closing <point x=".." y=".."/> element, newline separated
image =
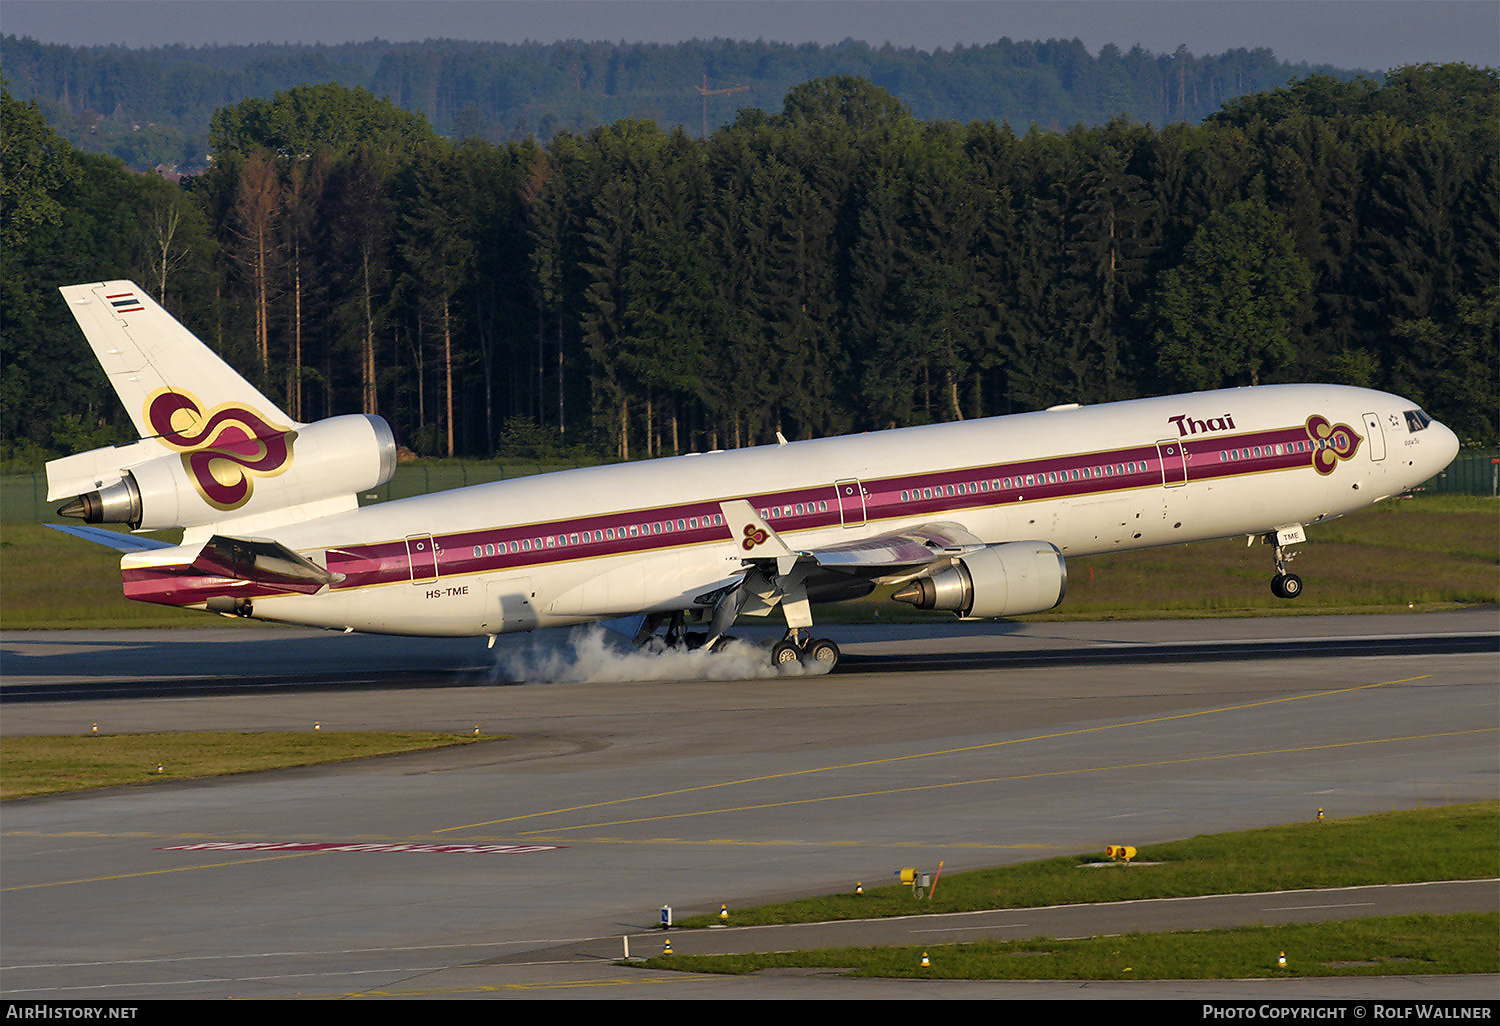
<point x="755" y="537"/>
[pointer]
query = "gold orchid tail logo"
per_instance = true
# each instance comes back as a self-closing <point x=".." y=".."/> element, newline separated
<point x="224" y="449"/>
<point x="753" y="536"/>
<point x="1331" y="443"/>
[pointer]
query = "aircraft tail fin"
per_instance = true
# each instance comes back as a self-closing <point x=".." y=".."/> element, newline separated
<point x="145" y="352"/>
<point x="213" y="451"/>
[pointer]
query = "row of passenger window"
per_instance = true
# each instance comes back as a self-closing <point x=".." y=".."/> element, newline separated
<point x="1107" y="470"/>
<point x="1255" y="452"/>
<point x="554" y="541"/>
<point x="795" y="509"/>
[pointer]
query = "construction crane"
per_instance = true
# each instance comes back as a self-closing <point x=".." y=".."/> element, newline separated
<point x="706" y="92"/>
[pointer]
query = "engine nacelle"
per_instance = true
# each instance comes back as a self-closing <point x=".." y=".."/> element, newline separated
<point x="241" y="474"/>
<point x="997" y="580"/>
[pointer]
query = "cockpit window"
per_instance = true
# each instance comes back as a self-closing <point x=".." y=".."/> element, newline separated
<point x="1416" y="420"/>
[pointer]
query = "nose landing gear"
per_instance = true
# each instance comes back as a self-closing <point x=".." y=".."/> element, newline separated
<point x="1285" y="585"/>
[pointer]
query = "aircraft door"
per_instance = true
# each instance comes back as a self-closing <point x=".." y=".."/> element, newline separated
<point x="1173" y="463"/>
<point x="421" y="552"/>
<point x="1376" y="436"/>
<point x="851" y="499"/>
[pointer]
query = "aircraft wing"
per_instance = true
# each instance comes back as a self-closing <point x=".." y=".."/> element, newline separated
<point x="896" y="553"/>
<point x="892" y="555"/>
<point x="776" y="574"/>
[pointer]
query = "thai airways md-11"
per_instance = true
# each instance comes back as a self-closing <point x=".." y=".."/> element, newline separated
<point x="977" y="517"/>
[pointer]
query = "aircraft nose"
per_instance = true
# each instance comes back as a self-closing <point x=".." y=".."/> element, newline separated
<point x="1445" y="450"/>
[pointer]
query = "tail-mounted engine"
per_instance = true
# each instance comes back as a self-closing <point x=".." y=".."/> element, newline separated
<point x="244" y="469"/>
<point x="997" y="580"/>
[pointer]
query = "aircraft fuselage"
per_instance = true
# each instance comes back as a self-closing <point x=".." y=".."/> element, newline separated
<point x="651" y="536"/>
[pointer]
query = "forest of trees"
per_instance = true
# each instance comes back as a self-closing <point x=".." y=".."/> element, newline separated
<point x="151" y="107"/>
<point x="841" y="265"/>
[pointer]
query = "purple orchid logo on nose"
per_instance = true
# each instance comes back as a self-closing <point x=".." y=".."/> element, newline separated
<point x="1331" y="443"/>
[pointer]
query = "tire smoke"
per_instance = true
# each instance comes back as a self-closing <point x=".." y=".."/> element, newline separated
<point x="596" y="655"/>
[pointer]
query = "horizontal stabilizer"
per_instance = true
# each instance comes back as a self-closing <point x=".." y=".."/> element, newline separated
<point x="117" y="540"/>
<point x="264" y="562"/>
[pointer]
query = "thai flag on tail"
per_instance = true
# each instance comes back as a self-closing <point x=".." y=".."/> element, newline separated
<point x="125" y="302"/>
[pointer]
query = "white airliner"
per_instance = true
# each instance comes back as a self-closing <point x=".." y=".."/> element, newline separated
<point x="976" y="517"/>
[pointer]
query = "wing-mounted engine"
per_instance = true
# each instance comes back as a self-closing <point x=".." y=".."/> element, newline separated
<point x="997" y="580"/>
<point x="225" y="466"/>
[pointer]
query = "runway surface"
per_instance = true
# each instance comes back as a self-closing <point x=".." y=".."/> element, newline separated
<point x="519" y="867"/>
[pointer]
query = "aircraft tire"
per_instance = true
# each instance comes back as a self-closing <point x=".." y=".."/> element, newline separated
<point x="821" y="653"/>
<point x="784" y="653"/>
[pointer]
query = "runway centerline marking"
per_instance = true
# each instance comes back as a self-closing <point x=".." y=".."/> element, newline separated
<point x="931" y="755"/>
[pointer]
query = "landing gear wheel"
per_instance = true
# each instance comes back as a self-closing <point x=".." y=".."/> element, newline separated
<point x="821" y="654"/>
<point x="1286" y="586"/>
<point x="785" y="653"/>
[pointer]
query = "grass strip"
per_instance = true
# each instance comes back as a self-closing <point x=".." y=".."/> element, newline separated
<point x="1378" y="946"/>
<point x="31" y="766"/>
<point x="1449" y="843"/>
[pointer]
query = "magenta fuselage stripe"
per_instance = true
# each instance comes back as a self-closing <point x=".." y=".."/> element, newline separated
<point x="1059" y="477"/>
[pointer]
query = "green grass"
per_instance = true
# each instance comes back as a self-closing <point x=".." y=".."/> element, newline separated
<point x="1458" y="842"/>
<point x="1379" y="946"/>
<point x="50" y="579"/>
<point x="1429" y="552"/>
<point x="1421" y="553"/>
<point x="1452" y="842"/>
<point x="31" y="766"/>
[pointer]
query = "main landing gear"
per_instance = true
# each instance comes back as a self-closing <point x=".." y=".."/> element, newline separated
<point x="675" y="636"/>
<point x="799" y="646"/>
